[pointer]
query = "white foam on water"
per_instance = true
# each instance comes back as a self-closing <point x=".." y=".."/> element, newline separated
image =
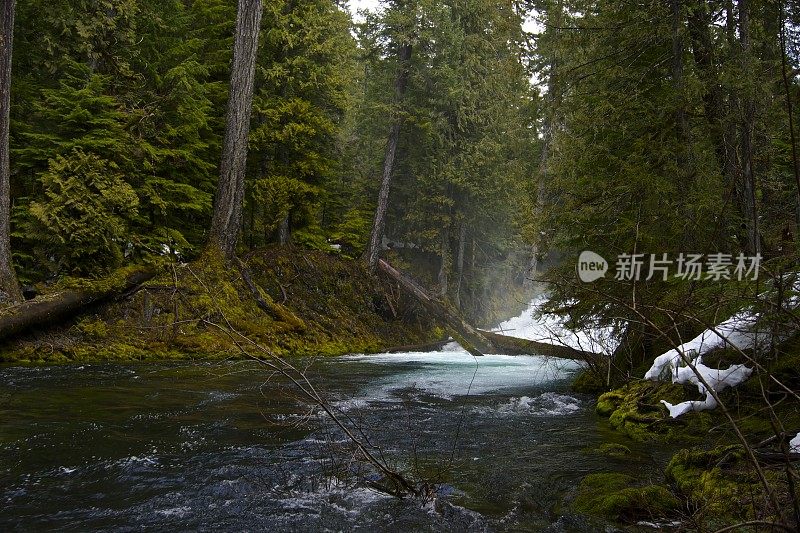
<point x="176" y="512"/>
<point x="546" y="404"/>
<point x="448" y="374"/>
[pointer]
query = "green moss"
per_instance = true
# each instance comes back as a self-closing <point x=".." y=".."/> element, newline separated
<point x="612" y="496"/>
<point x="715" y="482"/>
<point x="317" y="304"/>
<point x="615" y="450"/>
<point x="636" y="411"/>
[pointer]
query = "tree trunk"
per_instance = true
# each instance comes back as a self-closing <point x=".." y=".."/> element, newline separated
<point x="227" y="218"/>
<point x="476" y="341"/>
<point x="379" y="221"/>
<point x="681" y="121"/>
<point x="787" y="85"/>
<point x="723" y="132"/>
<point x="283" y="231"/>
<point x="462" y="244"/>
<point x="548" y="126"/>
<point x="748" y="186"/>
<point x="444" y="263"/>
<point x="469" y="337"/>
<point x="9" y="286"/>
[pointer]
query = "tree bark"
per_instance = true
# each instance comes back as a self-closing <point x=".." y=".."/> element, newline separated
<point x="548" y="125"/>
<point x="748" y="187"/>
<point x="379" y="222"/>
<point x="227" y="218"/>
<point x="790" y="113"/>
<point x="283" y="231"/>
<point x="444" y="263"/>
<point x="9" y="286"/>
<point x="722" y="129"/>
<point x="681" y="121"/>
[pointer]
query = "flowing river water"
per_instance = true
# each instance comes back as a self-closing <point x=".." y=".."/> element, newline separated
<point x="226" y="446"/>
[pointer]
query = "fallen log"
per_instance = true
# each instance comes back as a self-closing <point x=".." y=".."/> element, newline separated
<point x="423" y="347"/>
<point x="470" y="338"/>
<point x="49" y="309"/>
<point x="474" y="340"/>
<point x="516" y="346"/>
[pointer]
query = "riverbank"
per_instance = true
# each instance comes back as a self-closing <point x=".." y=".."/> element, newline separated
<point x="291" y="301"/>
<point x="710" y="482"/>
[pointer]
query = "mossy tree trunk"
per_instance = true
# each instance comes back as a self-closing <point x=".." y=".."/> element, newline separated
<point x="9" y="286"/>
<point x="228" y="204"/>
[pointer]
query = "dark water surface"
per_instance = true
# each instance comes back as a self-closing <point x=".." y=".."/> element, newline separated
<point x="221" y="446"/>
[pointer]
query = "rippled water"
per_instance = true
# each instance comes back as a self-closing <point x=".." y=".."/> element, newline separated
<point x="222" y="446"/>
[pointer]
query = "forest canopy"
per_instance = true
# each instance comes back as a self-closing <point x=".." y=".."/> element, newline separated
<point x="476" y="140"/>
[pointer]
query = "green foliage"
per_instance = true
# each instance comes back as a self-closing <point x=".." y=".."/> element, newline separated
<point x="82" y="220"/>
<point x="352" y="233"/>
<point x="304" y="78"/>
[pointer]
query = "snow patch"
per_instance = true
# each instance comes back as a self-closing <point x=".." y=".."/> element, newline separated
<point x="739" y="332"/>
<point x="550" y="329"/>
<point x="794" y="444"/>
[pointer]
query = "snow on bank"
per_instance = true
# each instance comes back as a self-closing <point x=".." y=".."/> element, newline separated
<point x="550" y="329"/>
<point x="740" y="331"/>
<point x="716" y="379"/>
<point x="794" y="444"/>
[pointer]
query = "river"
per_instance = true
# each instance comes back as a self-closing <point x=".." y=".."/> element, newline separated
<point x="225" y="446"/>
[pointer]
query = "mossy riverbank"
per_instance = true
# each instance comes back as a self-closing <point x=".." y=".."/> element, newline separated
<point x="296" y="302"/>
<point x="708" y="481"/>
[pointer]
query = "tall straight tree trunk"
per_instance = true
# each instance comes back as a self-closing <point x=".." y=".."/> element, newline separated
<point x="444" y="264"/>
<point x="9" y="286"/>
<point x="722" y="128"/>
<point x="548" y="126"/>
<point x="787" y="85"/>
<point x="748" y="188"/>
<point x="379" y="222"/>
<point x="227" y="217"/>
<point x="681" y="122"/>
<point x="462" y="244"/>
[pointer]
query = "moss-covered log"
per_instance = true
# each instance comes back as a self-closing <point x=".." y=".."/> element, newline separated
<point x="50" y="309"/>
<point x="516" y="346"/>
